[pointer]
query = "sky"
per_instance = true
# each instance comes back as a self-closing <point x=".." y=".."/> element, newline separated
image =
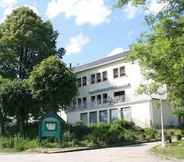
<point x="89" y="29"/>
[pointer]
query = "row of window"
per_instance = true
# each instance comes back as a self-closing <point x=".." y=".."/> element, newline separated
<point x="99" y="77"/>
<point x="103" y="115"/>
<point x="100" y="98"/>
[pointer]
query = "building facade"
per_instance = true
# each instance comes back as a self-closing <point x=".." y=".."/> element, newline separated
<point x="108" y="91"/>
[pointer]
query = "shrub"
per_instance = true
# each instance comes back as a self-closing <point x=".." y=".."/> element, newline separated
<point x="18" y="143"/>
<point x="150" y="133"/>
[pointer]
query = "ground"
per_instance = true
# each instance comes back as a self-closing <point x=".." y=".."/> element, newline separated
<point x="133" y="153"/>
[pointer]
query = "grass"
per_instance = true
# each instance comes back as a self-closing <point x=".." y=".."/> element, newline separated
<point x="173" y="150"/>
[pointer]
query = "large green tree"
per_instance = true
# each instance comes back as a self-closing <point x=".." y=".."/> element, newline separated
<point x="25" y="40"/>
<point x="16" y="102"/>
<point x="161" y="51"/>
<point x="53" y="84"/>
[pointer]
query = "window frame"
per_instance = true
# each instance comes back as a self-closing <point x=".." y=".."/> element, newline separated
<point x="96" y="120"/>
<point x="115" y="73"/>
<point x="84" y="80"/>
<point x="104" y="76"/>
<point x="93" y="78"/>
<point x="98" y="77"/>
<point x="122" y="72"/>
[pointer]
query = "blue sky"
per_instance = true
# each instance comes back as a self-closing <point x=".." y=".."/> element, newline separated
<point x="88" y="29"/>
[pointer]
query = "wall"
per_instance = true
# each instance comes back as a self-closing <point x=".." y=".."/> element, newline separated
<point x="169" y="118"/>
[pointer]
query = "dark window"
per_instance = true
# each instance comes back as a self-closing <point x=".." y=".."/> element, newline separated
<point x="79" y="82"/>
<point x="122" y="71"/>
<point x="103" y="117"/>
<point x="93" y="117"/>
<point x="84" y="100"/>
<point x="98" y="77"/>
<point x="84" y="118"/>
<point x="119" y="96"/>
<point x="105" y="98"/>
<point x="92" y="78"/>
<point x="74" y="102"/>
<point x="84" y="81"/>
<point x="99" y="99"/>
<point x="115" y="72"/>
<point x="92" y="99"/>
<point x="104" y="74"/>
<point x="79" y="101"/>
<point x="119" y="93"/>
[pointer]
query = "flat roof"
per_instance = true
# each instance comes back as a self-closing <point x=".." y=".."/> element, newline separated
<point x="100" y="62"/>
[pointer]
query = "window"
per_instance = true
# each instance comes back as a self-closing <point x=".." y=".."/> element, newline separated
<point x="79" y="82"/>
<point x="79" y="101"/>
<point x="92" y="78"/>
<point x="84" y="81"/>
<point x="105" y="98"/>
<point x="93" y="117"/>
<point x="126" y="114"/>
<point x="113" y="114"/>
<point x="74" y="102"/>
<point x="84" y="100"/>
<point x="98" y="77"/>
<point x="93" y="99"/>
<point x="122" y="71"/>
<point x="84" y="118"/>
<point x="119" y="96"/>
<point x="115" y="72"/>
<point x="104" y="75"/>
<point x="98" y="99"/>
<point x="119" y="93"/>
<point x="103" y="117"/>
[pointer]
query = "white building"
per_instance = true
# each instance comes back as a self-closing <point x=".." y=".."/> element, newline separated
<point x="107" y="91"/>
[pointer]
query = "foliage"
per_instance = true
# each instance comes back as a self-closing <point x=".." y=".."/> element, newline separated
<point x="150" y="133"/>
<point x="116" y="133"/>
<point x="18" y="143"/>
<point x="25" y="40"/>
<point x="160" y="51"/>
<point x="16" y="101"/>
<point x="52" y="84"/>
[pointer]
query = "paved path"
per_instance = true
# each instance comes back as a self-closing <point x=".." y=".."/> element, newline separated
<point x="134" y="153"/>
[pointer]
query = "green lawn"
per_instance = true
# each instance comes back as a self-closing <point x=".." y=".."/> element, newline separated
<point x="175" y="150"/>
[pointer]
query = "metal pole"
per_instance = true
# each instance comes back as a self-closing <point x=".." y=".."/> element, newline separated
<point x="162" y="124"/>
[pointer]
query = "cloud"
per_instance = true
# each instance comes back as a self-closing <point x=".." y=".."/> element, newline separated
<point x="9" y="5"/>
<point x="155" y="6"/>
<point x="76" y="43"/>
<point x="93" y="12"/>
<point x="116" y="51"/>
<point x="130" y="11"/>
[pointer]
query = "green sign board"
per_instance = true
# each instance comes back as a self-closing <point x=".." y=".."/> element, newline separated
<point x="51" y="126"/>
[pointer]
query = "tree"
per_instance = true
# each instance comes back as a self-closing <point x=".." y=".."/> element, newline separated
<point x="53" y="84"/>
<point x="25" y="40"/>
<point x="160" y="51"/>
<point x="16" y="102"/>
<point x="3" y="110"/>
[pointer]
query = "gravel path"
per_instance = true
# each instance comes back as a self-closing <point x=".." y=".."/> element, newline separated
<point x="134" y="153"/>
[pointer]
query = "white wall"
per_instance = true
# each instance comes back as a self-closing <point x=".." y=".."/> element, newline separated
<point x="169" y="118"/>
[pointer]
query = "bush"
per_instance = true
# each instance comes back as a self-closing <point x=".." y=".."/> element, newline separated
<point x="18" y="143"/>
<point x="150" y="133"/>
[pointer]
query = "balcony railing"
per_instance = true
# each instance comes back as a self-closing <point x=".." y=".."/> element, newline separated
<point x="96" y="104"/>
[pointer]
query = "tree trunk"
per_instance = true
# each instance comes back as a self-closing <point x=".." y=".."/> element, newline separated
<point x="20" y="124"/>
